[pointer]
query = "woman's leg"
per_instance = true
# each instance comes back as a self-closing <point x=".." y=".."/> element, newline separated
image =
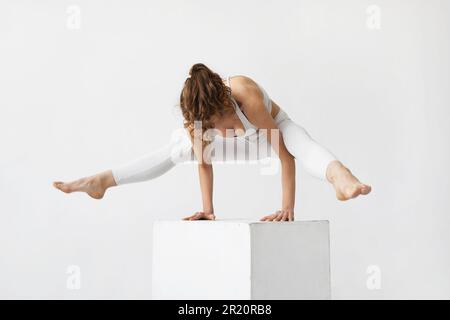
<point x="314" y="157"/>
<point x="320" y="162"/>
<point x="95" y="186"/>
<point x="152" y="165"/>
<point x="145" y="168"/>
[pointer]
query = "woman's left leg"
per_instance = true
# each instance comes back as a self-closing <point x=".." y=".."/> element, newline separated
<point x="320" y="162"/>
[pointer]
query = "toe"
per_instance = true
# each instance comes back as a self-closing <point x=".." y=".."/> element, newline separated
<point x="61" y="186"/>
<point x="65" y="187"/>
<point x="57" y="184"/>
<point x="365" y="189"/>
<point x="351" y="192"/>
<point x="348" y="193"/>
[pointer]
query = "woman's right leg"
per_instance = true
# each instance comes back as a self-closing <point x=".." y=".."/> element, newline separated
<point x="145" y="168"/>
<point x="152" y="165"/>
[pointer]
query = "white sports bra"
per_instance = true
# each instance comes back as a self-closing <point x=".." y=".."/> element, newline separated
<point x="250" y="129"/>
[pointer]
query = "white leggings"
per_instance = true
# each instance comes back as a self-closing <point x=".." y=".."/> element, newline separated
<point x="314" y="157"/>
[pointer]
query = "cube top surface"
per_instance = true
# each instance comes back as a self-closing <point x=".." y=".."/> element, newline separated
<point x="243" y="221"/>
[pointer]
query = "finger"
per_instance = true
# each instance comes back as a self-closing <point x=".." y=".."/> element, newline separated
<point x="291" y="216"/>
<point x="273" y="217"/>
<point x="189" y="217"/>
<point x="270" y="217"/>
<point x="210" y="216"/>
<point x="265" y="218"/>
<point x="196" y="216"/>
<point x="286" y="216"/>
<point x="279" y="217"/>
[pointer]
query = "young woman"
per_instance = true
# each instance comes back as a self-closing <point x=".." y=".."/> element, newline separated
<point x="235" y="108"/>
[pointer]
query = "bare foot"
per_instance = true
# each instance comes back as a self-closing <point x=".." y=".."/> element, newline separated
<point x="346" y="185"/>
<point x="94" y="186"/>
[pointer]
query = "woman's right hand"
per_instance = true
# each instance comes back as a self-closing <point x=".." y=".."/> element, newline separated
<point x="200" y="215"/>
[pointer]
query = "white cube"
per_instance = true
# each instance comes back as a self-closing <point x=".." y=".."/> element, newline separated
<point x="241" y="260"/>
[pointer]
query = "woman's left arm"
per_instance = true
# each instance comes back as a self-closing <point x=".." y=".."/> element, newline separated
<point x="253" y="106"/>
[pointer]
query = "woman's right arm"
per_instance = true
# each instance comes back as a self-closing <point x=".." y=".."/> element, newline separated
<point x="205" y="172"/>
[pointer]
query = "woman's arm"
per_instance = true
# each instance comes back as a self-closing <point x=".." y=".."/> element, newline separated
<point x="253" y="106"/>
<point x="205" y="172"/>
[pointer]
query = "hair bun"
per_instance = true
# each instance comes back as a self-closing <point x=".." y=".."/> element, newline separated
<point x="199" y="67"/>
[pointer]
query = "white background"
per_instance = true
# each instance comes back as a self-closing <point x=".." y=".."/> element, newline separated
<point x="77" y="101"/>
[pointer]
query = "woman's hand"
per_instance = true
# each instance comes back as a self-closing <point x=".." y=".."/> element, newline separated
<point x="280" y="215"/>
<point x="201" y="216"/>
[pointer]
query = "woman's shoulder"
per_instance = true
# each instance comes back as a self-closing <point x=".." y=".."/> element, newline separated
<point x="244" y="86"/>
<point x="242" y="80"/>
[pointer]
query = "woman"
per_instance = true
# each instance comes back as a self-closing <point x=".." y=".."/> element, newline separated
<point x="232" y="108"/>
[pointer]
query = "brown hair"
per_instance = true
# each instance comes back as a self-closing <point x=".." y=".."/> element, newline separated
<point x="204" y="96"/>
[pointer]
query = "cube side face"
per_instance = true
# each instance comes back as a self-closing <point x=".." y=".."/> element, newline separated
<point x="201" y="260"/>
<point x="291" y="260"/>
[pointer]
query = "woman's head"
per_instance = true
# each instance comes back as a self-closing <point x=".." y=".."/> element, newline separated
<point x="204" y="98"/>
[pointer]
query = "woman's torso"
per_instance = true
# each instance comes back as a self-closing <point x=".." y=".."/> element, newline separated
<point x="247" y="126"/>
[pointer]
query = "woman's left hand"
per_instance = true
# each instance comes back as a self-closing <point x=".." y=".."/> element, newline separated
<point x="280" y="215"/>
